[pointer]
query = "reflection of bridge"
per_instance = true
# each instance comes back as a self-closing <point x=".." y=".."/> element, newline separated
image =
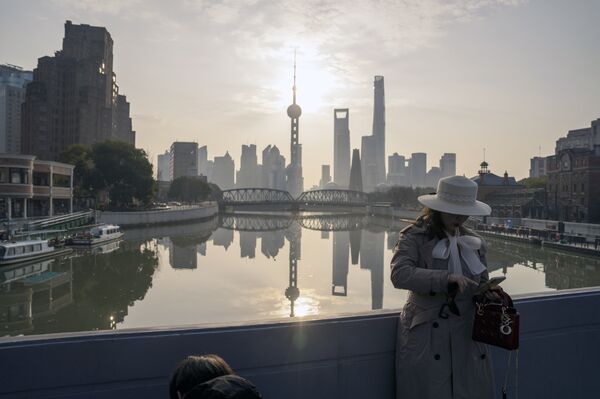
<point x="319" y="222"/>
<point x="257" y="198"/>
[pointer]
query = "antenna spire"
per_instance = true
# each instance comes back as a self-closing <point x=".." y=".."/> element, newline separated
<point x="294" y="87"/>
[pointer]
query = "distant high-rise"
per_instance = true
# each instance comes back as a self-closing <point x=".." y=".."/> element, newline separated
<point x="341" y="147"/>
<point x="379" y="128"/>
<point x="248" y="175"/>
<point x="74" y="97"/>
<point x="273" y="168"/>
<point x="163" y="167"/>
<point x="356" y="181"/>
<point x="13" y="81"/>
<point x="537" y="167"/>
<point x="433" y="176"/>
<point x="223" y="174"/>
<point x="397" y="171"/>
<point x="295" y="181"/>
<point x="183" y="160"/>
<point x="325" y="176"/>
<point x="368" y="151"/>
<point x="418" y="169"/>
<point x="203" y="161"/>
<point x="448" y="164"/>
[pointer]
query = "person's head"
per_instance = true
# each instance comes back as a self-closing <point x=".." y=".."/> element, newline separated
<point x="452" y="204"/>
<point x="436" y="222"/>
<point x="195" y="370"/>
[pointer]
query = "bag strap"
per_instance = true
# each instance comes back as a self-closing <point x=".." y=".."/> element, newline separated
<point x="505" y="385"/>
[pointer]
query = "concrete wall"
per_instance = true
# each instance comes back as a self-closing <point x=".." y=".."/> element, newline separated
<point x="173" y="215"/>
<point x="347" y="357"/>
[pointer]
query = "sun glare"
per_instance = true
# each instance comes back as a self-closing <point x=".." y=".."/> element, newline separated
<point x="314" y="83"/>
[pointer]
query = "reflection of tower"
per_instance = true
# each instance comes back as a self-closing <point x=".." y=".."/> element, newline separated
<point x="271" y="242"/>
<point x="295" y="181"/>
<point x="294" y="236"/>
<point x="247" y="244"/>
<point x="355" y="238"/>
<point x="222" y="237"/>
<point x="392" y="239"/>
<point x="341" y="244"/>
<point x="182" y="254"/>
<point x="371" y="257"/>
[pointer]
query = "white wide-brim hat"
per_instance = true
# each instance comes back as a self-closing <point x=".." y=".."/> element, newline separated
<point x="456" y="195"/>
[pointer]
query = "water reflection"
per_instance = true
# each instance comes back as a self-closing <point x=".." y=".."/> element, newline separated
<point x="193" y="273"/>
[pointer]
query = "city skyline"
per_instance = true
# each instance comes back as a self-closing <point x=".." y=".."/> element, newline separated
<point x="531" y="83"/>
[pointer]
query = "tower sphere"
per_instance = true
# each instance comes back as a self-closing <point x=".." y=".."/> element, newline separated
<point x="294" y="111"/>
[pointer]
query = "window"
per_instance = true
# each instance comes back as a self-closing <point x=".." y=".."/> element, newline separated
<point x="3" y="175"/>
<point x="38" y="247"/>
<point x="18" y="176"/>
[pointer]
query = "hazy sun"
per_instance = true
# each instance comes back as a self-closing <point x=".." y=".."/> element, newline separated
<point x="314" y="82"/>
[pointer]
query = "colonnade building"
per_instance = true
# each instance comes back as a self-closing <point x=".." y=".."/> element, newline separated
<point x="34" y="188"/>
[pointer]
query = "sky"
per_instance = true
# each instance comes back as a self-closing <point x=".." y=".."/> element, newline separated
<point x="510" y="76"/>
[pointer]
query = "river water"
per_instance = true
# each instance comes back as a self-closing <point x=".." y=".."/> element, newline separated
<point x="243" y="268"/>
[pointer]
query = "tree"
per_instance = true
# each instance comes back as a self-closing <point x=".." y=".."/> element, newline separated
<point x="80" y="156"/>
<point x="534" y="182"/>
<point x="189" y="189"/>
<point x="123" y="171"/>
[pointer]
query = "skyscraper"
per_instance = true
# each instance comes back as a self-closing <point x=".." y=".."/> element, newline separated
<point x="397" y="171"/>
<point x="273" y="168"/>
<point x="163" y="167"/>
<point x="74" y="97"/>
<point x="203" y="161"/>
<point x="356" y="181"/>
<point x="183" y="160"/>
<point x="325" y="176"/>
<point x="448" y="164"/>
<point x="341" y="147"/>
<point x="295" y="181"/>
<point x="379" y="128"/>
<point x="368" y="150"/>
<point x="13" y="81"/>
<point x="418" y="169"/>
<point x="248" y="175"/>
<point x="223" y="174"/>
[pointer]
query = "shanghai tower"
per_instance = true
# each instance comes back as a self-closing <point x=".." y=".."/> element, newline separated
<point x="379" y="128"/>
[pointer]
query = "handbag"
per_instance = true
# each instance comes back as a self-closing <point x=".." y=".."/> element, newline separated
<point x="496" y="322"/>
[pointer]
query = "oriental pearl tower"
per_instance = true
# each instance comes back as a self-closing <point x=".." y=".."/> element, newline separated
<point x="295" y="181"/>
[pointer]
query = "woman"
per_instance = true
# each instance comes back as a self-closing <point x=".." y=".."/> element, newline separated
<point x="442" y="264"/>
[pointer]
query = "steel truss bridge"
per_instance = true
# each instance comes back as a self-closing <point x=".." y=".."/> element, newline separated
<point x="245" y="197"/>
<point x="260" y="223"/>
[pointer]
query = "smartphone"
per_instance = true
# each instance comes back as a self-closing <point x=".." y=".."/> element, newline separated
<point x="494" y="281"/>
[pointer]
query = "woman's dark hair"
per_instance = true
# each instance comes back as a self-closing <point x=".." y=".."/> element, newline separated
<point x="195" y="370"/>
<point x="431" y="221"/>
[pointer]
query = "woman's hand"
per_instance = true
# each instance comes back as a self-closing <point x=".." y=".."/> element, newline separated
<point x="462" y="281"/>
<point x="492" y="293"/>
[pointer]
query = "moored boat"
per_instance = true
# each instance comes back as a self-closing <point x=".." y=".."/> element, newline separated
<point x="24" y="251"/>
<point x="97" y="235"/>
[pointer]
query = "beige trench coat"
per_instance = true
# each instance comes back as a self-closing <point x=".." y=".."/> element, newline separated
<point x="436" y="357"/>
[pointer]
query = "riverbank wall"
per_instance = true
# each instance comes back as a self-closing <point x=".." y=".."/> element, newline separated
<point x="588" y="230"/>
<point x="176" y="214"/>
<point x="341" y="357"/>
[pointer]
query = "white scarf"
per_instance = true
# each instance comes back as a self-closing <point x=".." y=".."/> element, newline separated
<point x="448" y="248"/>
